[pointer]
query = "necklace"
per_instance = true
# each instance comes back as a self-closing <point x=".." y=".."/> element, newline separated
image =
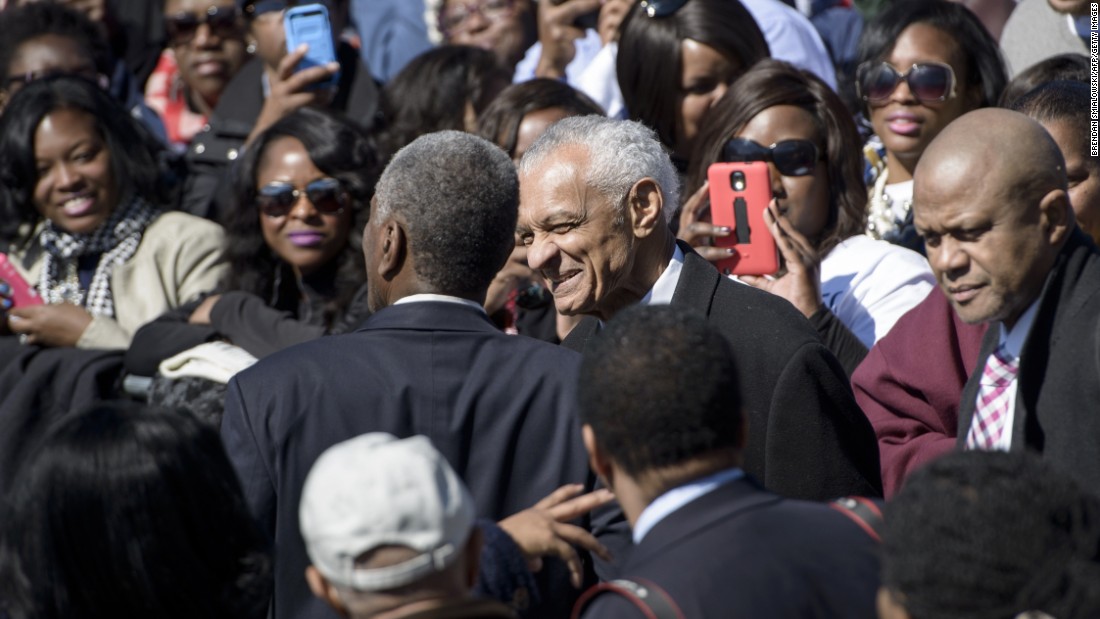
<point x="881" y="220"/>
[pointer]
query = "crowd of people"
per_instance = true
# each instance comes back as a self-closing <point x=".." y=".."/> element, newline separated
<point x="446" y="327"/>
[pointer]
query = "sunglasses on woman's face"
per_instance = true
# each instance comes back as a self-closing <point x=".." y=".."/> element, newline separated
<point x="278" y="199"/>
<point x="223" y="21"/>
<point x="930" y="82"/>
<point x="791" y="157"/>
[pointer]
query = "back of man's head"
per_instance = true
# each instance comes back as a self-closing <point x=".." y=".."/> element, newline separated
<point x="386" y="519"/>
<point x="458" y="196"/>
<point x="659" y="389"/>
<point x="989" y="534"/>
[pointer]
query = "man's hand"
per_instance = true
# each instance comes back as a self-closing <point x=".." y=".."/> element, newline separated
<point x="290" y="90"/>
<point x="700" y="234"/>
<point x="542" y="530"/>
<point x="801" y="284"/>
<point x="557" y="33"/>
<point x="612" y="14"/>
<point x="201" y="315"/>
<point x="50" y="325"/>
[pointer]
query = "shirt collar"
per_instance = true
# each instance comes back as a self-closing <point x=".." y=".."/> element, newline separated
<point x="678" y="497"/>
<point x="438" y="298"/>
<point x="1013" y="339"/>
<point x="665" y="286"/>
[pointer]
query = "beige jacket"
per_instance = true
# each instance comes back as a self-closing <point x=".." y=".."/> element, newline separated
<point x="176" y="261"/>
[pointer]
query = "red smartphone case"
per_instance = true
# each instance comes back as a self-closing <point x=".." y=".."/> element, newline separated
<point x="21" y="292"/>
<point x="739" y="195"/>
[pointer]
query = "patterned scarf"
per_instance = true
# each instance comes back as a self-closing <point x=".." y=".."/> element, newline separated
<point x="117" y="240"/>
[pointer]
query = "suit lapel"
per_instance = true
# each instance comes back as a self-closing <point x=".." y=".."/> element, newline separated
<point x="698" y="281"/>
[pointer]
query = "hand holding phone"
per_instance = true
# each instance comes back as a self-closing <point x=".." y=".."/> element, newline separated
<point x="801" y="282"/>
<point x="309" y="25"/>
<point x="14" y="290"/>
<point x="739" y="194"/>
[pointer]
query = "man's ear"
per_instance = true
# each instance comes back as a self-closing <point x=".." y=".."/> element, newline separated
<point x="601" y="464"/>
<point x="1056" y="216"/>
<point x="393" y="246"/>
<point x="645" y="203"/>
<point x="324" y="590"/>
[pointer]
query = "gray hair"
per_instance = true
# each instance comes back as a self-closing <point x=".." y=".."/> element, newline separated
<point x="458" y="195"/>
<point x="621" y="153"/>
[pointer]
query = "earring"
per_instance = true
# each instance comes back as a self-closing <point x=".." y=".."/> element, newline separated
<point x="251" y="48"/>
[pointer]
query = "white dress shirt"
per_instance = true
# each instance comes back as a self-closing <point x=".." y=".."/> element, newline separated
<point x="439" y="298"/>
<point x="678" y="497"/>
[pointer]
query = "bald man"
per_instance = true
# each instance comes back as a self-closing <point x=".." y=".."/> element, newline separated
<point x="1001" y="238"/>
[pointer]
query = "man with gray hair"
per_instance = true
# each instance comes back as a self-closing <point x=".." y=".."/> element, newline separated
<point x="596" y="196"/>
<point x="428" y="361"/>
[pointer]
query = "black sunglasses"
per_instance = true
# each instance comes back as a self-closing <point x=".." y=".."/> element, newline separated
<point x="662" y="8"/>
<point x="930" y="82"/>
<point x="223" y="21"/>
<point x="791" y="157"/>
<point x="327" y="195"/>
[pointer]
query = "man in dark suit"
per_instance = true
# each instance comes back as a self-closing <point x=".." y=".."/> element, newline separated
<point x="596" y="196"/>
<point x="428" y="361"/>
<point x="660" y="404"/>
<point x="1003" y="243"/>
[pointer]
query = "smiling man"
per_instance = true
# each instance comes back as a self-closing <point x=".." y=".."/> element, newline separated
<point x="596" y="196"/>
<point x="1001" y="238"/>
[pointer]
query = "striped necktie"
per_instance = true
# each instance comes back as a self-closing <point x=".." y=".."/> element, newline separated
<point x="988" y="423"/>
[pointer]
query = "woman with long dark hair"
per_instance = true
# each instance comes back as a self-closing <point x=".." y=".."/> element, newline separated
<point x="922" y="65"/>
<point x="293" y="249"/>
<point x="81" y="220"/>
<point x="676" y="58"/>
<point x="851" y="287"/>
<point x="125" y="511"/>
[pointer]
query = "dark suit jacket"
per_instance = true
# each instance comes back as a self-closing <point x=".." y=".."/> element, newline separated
<point x="500" y="408"/>
<point x="807" y="438"/>
<point x="1058" y="384"/>
<point x="910" y="382"/>
<point x="745" y="553"/>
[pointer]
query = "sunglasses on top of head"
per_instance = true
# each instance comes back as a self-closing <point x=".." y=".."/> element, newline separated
<point x="327" y="196"/>
<point x="929" y="82"/>
<point x="223" y="21"/>
<point x="791" y="157"/>
<point x="662" y="8"/>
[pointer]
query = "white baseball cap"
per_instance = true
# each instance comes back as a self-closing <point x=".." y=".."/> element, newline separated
<point x="377" y="490"/>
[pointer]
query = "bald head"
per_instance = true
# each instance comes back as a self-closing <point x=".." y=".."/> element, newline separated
<point x="998" y="150"/>
<point x="989" y="198"/>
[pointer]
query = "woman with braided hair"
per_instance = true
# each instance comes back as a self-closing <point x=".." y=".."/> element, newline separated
<point x="81" y="221"/>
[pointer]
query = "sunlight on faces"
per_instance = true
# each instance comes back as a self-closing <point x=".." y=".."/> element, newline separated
<point x="705" y="75"/>
<point x="305" y="238"/>
<point x="905" y="125"/>
<point x="50" y="53"/>
<point x="989" y="247"/>
<point x="575" y="236"/>
<point x="503" y="35"/>
<point x="803" y="199"/>
<point x="1083" y="173"/>
<point x="76" y="187"/>
<point x="533" y="125"/>
<point x="209" y="60"/>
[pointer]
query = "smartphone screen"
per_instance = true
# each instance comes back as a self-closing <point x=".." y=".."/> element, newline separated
<point x="309" y="24"/>
<point x="739" y="195"/>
